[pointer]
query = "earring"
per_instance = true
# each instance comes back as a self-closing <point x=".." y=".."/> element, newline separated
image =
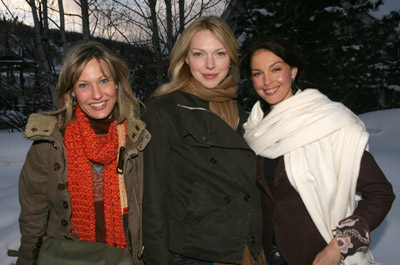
<point x="293" y="86"/>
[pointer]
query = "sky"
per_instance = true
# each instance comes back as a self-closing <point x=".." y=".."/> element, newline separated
<point x="384" y="129"/>
<point x="388" y="5"/>
<point x="21" y="9"/>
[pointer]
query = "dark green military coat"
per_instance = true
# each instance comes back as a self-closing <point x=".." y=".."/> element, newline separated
<point x="200" y="194"/>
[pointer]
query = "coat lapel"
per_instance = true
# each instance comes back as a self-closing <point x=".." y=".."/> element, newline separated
<point x="202" y="127"/>
<point x="261" y="182"/>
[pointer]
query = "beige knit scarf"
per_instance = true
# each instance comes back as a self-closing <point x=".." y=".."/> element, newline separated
<point x="221" y="98"/>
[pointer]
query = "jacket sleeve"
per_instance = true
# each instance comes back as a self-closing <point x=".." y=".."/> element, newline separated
<point x="155" y="222"/>
<point x="377" y="199"/>
<point x="33" y="200"/>
<point x="376" y="191"/>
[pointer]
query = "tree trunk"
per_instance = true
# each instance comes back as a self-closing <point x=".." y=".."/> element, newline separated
<point x="45" y="34"/>
<point x="234" y="8"/>
<point x="181" y="16"/>
<point x="156" y="40"/>
<point x="45" y="23"/>
<point x="170" y="37"/>
<point x="62" y="25"/>
<point x="43" y="56"/>
<point x="85" y="19"/>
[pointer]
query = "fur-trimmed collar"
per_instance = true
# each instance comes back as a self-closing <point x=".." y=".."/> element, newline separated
<point x="43" y="125"/>
<point x="40" y="125"/>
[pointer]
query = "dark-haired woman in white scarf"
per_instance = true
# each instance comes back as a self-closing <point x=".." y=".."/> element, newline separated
<point x="323" y="191"/>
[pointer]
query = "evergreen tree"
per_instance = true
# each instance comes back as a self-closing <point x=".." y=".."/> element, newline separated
<point x="350" y="56"/>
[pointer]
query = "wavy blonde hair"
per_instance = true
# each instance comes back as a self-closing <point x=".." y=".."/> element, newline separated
<point x="74" y="63"/>
<point x="179" y="71"/>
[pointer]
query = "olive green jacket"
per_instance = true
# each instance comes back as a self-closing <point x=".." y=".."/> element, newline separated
<point x="200" y="195"/>
<point x="43" y="189"/>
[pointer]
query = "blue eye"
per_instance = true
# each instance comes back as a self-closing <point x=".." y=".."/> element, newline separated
<point x="104" y="81"/>
<point x="221" y="53"/>
<point x="197" y="54"/>
<point x="82" y="85"/>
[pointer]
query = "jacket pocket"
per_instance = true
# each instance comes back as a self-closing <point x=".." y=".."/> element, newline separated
<point x="196" y="205"/>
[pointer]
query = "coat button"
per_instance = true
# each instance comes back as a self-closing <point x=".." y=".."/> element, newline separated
<point x="247" y="197"/>
<point x="253" y="240"/>
<point x="213" y="160"/>
<point x="65" y="204"/>
<point x="227" y="199"/>
<point x="64" y="222"/>
<point x="56" y="166"/>
<point x="54" y="146"/>
<point x="61" y="186"/>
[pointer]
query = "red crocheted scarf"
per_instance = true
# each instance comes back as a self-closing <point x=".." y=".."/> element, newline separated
<point x="82" y="146"/>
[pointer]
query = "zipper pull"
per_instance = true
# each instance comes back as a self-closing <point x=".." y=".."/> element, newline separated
<point x="120" y="167"/>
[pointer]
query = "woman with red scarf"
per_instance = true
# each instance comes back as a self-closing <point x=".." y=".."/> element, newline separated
<point x="82" y="179"/>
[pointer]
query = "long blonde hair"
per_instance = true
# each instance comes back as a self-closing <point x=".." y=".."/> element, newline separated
<point x="74" y="63"/>
<point x="179" y="71"/>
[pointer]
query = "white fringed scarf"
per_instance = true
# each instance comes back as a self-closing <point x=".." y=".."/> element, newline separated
<point x="322" y="143"/>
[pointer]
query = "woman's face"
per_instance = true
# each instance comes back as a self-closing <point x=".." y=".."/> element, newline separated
<point x="95" y="92"/>
<point x="272" y="77"/>
<point x="208" y="59"/>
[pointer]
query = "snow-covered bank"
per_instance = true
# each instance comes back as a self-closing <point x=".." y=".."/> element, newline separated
<point x="384" y="128"/>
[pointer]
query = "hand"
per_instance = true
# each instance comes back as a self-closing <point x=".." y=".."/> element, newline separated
<point x="330" y="255"/>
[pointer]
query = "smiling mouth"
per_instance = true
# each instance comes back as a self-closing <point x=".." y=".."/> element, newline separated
<point x="271" y="91"/>
<point x="210" y="76"/>
<point x="98" y="105"/>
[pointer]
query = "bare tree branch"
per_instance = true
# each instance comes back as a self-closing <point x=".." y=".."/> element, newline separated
<point x="65" y="14"/>
<point x="8" y="10"/>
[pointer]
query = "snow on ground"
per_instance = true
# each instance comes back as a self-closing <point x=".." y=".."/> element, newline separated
<point x="13" y="149"/>
<point x="384" y="129"/>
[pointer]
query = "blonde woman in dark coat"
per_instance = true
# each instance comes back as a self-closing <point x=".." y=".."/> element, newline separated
<point x="201" y="204"/>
